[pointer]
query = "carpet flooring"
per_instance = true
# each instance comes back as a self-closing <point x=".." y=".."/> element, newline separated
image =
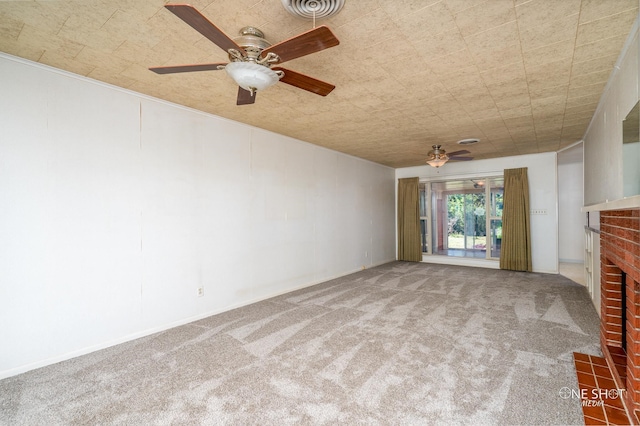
<point x="402" y="343"/>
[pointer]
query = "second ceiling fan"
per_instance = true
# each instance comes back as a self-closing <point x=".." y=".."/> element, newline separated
<point x="437" y="157"/>
<point x="252" y="58"/>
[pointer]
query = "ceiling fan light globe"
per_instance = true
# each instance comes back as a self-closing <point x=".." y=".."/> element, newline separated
<point x="252" y="76"/>
<point x="436" y="162"/>
<point x="437" y="159"/>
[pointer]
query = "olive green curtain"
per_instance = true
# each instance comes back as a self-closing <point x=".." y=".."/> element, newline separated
<point x="409" y="220"/>
<point x="515" y="253"/>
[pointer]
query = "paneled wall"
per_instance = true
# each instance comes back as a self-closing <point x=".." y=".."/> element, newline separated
<point x="117" y="209"/>
<point x="603" y="139"/>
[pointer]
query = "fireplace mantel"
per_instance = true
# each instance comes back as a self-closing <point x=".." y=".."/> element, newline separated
<point x="622" y="204"/>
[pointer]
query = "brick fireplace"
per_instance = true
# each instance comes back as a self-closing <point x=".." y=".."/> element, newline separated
<point x="620" y="301"/>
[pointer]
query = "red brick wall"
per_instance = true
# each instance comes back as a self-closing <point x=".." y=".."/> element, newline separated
<point x="620" y="240"/>
<point x="620" y="252"/>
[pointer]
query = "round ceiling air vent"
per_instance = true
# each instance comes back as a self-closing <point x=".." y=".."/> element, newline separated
<point x="313" y="9"/>
<point x="468" y="141"/>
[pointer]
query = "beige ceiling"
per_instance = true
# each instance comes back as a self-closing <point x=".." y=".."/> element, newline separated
<point x="524" y="76"/>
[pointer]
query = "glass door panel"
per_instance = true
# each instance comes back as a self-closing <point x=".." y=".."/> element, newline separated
<point x="465" y="217"/>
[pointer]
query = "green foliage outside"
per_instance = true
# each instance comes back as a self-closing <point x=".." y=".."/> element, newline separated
<point x="471" y="207"/>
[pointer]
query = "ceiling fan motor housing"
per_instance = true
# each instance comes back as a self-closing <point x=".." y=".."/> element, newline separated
<point x="252" y="41"/>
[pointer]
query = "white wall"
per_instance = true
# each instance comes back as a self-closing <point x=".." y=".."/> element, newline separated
<point x="115" y="208"/>
<point x="571" y="220"/>
<point x="631" y="172"/>
<point x="542" y="195"/>
<point x="603" y="139"/>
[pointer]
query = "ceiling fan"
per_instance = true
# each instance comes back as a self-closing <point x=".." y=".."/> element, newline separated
<point x="252" y="58"/>
<point x="437" y="157"/>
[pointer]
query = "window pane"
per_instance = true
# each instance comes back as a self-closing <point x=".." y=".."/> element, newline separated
<point x="424" y="235"/>
<point x="497" y="192"/>
<point x="496" y="237"/>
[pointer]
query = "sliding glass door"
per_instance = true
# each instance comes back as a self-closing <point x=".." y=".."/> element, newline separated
<point x="464" y="217"/>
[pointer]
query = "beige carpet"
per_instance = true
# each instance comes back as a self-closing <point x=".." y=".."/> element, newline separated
<point x="403" y="343"/>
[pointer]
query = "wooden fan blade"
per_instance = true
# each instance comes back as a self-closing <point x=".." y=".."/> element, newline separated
<point x="305" y="82"/>
<point x="460" y="158"/>
<point x="245" y="97"/>
<point x="462" y="151"/>
<point x="312" y="41"/>
<point x="186" y="68"/>
<point x="200" y="23"/>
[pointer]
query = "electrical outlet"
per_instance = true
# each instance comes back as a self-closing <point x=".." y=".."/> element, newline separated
<point x="538" y="211"/>
<point x="200" y="291"/>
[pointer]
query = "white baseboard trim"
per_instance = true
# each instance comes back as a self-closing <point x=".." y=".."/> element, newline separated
<point x="461" y="261"/>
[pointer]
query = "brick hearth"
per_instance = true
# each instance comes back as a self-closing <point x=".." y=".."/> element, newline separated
<point x="620" y="256"/>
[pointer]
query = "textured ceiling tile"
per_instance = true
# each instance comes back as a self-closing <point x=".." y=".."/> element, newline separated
<point x="424" y="91"/>
<point x="584" y="108"/>
<point x="491" y="124"/>
<point x="600" y="48"/>
<point x="469" y="131"/>
<point x="549" y="53"/>
<point x="485" y="114"/>
<point x="9" y="28"/>
<point x="580" y="101"/>
<point x="472" y="102"/>
<point x="535" y="12"/>
<point x="548" y="122"/>
<point x="430" y="20"/>
<point x="456" y="6"/>
<point x="484" y="16"/>
<point x="111" y="77"/>
<point x="468" y="77"/>
<point x="610" y="26"/>
<point x="506" y="90"/>
<point x="549" y="75"/>
<point x="496" y="37"/>
<point x="123" y="23"/>
<point x="549" y="32"/>
<point x="54" y="59"/>
<point x="583" y="122"/>
<point x="444" y="64"/>
<point x="523" y="110"/>
<point x="554" y="105"/>
<point x="490" y="59"/>
<point x="474" y="83"/>
<point x="504" y="73"/>
<point x="47" y="16"/>
<point x="375" y="22"/>
<point x="592" y="10"/>
<point x="440" y="44"/>
<point x="495" y="47"/>
<point x="400" y="8"/>
<point x="575" y="132"/>
<point x="510" y="105"/>
<point x="589" y="79"/>
<point x="581" y="91"/>
<point x="36" y="37"/>
<point x="524" y="122"/>
<point x="102" y="60"/>
<point x="546" y="92"/>
<point x="602" y="63"/>
<point x="551" y="145"/>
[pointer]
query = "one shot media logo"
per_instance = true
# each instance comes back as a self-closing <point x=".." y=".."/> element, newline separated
<point x="591" y="397"/>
